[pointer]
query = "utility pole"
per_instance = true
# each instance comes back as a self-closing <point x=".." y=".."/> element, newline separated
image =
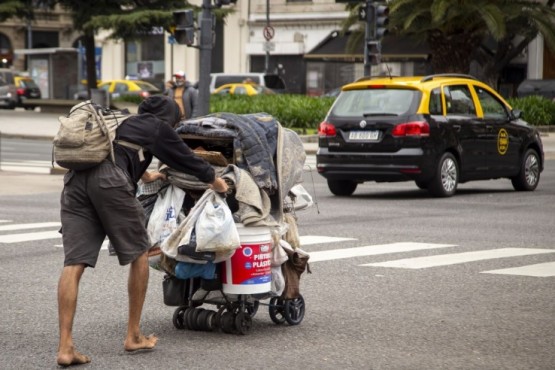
<point x="267" y="60"/>
<point x="206" y="25"/>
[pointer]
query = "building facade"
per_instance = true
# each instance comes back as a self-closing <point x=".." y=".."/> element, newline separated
<point x="292" y="38"/>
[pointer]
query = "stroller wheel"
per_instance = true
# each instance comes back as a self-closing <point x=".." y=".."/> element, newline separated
<point x="188" y="318"/>
<point x="252" y="309"/>
<point x="243" y="323"/>
<point x="228" y="322"/>
<point x="294" y="310"/>
<point x="178" y="317"/>
<point x="276" y="310"/>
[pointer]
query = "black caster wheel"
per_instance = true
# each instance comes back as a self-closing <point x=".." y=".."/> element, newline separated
<point x="178" y="317"/>
<point x="243" y="323"/>
<point x="294" y="310"/>
<point x="188" y="318"/>
<point x="276" y="310"/>
<point x="227" y="322"/>
<point x="197" y="325"/>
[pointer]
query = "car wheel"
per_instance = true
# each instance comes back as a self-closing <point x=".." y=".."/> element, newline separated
<point x="446" y="179"/>
<point x="342" y="187"/>
<point x="529" y="175"/>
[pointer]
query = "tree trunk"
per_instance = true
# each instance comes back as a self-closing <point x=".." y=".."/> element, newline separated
<point x="452" y="53"/>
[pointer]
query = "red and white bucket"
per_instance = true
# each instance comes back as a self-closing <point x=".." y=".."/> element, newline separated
<point x="248" y="271"/>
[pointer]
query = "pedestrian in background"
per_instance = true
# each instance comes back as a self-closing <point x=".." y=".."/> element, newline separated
<point x="184" y="94"/>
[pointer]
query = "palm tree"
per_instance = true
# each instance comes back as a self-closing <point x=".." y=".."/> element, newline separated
<point x="457" y="31"/>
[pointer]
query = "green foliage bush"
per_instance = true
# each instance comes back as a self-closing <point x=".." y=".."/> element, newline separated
<point x="292" y="111"/>
<point x="536" y="110"/>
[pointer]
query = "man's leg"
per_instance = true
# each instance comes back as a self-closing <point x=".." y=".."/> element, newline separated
<point x="137" y="286"/>
<point x="68" y="289"/>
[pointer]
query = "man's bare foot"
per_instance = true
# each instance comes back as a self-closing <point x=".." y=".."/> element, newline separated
<point x="72" y="358"/>
<point x="141" y="342"/>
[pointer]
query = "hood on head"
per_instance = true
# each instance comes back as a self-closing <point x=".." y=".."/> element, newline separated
<point x="162" y="107"/>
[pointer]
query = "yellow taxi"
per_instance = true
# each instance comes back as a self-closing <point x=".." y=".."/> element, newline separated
<point x="438" y="131"/>
<point x="242" y="89"/>
<point x="117" y="88"/>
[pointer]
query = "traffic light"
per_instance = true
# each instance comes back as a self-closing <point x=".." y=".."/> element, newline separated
<point x="374" y="52"/>
<point x="381" y="20"/>
<point x="184" y="26"/>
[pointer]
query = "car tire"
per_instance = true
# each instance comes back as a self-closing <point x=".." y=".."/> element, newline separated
<point x="444" y="184"/>
<point x="342" y="187"/>
<point x="529" y="175"/>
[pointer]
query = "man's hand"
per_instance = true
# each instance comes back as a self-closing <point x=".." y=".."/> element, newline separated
<point x="219" y="185"/>
<point x="150" y="176"/>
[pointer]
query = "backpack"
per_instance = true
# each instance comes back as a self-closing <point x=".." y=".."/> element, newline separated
<point x="85" y="137"/>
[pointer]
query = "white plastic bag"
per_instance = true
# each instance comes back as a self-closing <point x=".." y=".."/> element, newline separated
<point x="215" y="228"/>
<point x="163" y="219"/>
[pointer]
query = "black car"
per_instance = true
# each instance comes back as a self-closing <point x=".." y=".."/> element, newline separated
<point x="437" y="131"/>
<point x="26" y="89"/>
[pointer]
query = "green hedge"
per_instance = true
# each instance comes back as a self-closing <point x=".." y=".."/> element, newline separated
<point x="292" y="111"/>
<point x="304" y="113"/>
<point x="536" y="110"/>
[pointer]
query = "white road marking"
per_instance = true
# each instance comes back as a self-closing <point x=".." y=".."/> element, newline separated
<point x="317" y="239"/>
<point x="537" y="270"/>
<point x="372" y="250"/>
<point x="2" y="221"/>
<point x="29" y="226"/>
<point x="456" y="258"/>
<point x="27" y="237"/>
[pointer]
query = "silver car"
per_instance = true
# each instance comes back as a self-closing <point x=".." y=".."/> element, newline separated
<point x="8" y="91"/>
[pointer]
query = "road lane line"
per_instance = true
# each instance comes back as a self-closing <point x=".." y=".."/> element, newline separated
<point x="546" y="269"/>
<point x="372" y="250"/>
<point x="28" y="226"/>
<point x="456" y="258"/>
<point x="27" y="237"/>
<point x="317" y="239"/>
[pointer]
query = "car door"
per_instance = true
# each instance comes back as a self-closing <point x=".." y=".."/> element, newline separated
<point x="467" y="129"/>
<point x="503" y="137"/>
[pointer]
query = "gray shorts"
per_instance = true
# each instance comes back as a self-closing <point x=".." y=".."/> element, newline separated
<point x="96" y="203"/>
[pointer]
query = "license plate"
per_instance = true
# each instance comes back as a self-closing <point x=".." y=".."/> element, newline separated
<point x="34" y="95"/>
<point x="364" y="135"/>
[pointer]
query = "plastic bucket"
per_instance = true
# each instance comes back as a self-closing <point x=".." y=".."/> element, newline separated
<point x="248" y="271"/>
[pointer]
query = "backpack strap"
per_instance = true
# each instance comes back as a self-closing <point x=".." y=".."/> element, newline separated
<point x="136" y="147"/>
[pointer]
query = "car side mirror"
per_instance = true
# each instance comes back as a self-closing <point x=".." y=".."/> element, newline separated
<point x="517" y="113"/>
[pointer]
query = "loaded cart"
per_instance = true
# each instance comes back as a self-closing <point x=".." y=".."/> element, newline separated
<point x="239" y="250"/>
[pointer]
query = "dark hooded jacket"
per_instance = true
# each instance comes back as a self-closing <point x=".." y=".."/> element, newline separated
<point x="153" y="130"/>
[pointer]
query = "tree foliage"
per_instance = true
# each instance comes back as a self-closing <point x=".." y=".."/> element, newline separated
<point x="489" y="33"/>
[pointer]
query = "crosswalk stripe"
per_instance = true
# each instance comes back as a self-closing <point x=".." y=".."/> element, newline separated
<point x="537" y="270"/>
<point x="27" y="237"/>
<point x="28" y="226"/>
<point x="456" y="258"/>
<point x="317" y="239"/>
<point x="2" y="221"/>
<point x="372" y="250"/>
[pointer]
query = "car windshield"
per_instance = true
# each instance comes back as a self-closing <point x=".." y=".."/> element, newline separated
<point x="146" y="86"/>
<point x="30" y="84"/>
<point x="374" y="102"/>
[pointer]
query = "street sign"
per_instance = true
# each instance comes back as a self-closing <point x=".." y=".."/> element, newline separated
<point x="269" y="33"/>
<point x="269" y="46"/>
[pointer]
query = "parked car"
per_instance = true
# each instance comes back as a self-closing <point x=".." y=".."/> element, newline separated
<point x="438" y="131"/>
<point x="271" y="81"/>
<point x="117" y="88"/>
<point x="242" y="89"/>
<point x="26" y="88"/>
<point x="8" y="93"/>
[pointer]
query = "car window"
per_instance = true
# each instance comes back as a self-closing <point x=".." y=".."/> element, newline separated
<point x="459" y="100"/>
<point x="120" y="88"/>
<point x="353" y="103"/>
<point x="234" y="79"/>
<point x="491" y="106"/>
<point x="435" y="102"/>
<point x="239" y="90"/>
<point x="105" y="87"/>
